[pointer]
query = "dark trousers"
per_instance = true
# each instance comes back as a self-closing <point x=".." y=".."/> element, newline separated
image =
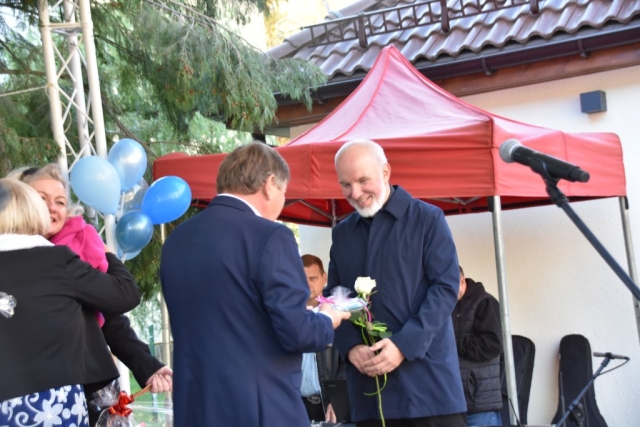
<point x="452" y="420"/>
<point x="314" y="410"/>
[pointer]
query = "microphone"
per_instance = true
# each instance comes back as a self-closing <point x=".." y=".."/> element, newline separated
<point x="610" y="355"/>
<point x="512" y="151"/>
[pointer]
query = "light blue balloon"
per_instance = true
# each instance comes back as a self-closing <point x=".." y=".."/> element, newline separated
<point x="126" y="256"/>
<point x="134" y="231"/>
<point x="166" y="199"/>
<point x="132" y="199"/>
<point x="96" y="183"/>
<point x="130" y="160"/>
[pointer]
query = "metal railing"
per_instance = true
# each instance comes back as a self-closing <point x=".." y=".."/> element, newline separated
<point x="400" y="18"/>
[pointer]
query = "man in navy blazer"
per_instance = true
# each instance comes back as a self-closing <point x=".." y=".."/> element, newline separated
<point x="406" y="246"/>
<point x="236" y="293"/>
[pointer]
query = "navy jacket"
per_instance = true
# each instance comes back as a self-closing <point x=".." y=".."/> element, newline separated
<point x="236" y="293"/>
<point x="408" y="249"/>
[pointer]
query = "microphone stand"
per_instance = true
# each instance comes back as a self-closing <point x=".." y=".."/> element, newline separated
<point x="575" y="408"/>
<point x="562" y="202"/>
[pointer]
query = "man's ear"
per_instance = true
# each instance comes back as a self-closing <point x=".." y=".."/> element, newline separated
<point x="269" y="186"/>
<point x="386" y="171"/>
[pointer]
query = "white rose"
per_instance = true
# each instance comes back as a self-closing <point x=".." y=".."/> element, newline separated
<point x="364" y="285"/>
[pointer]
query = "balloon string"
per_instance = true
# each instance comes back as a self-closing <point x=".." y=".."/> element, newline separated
<point x="121" y="203"/>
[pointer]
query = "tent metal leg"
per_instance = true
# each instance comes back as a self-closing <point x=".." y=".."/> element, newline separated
<point x="334" y="220"/>
<point x="166" y="328"/>
<point x="628" y="244"/>
<point x="510" y="372"/>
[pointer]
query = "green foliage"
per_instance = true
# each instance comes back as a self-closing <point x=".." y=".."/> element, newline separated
<point x="191" y="64"/>
<point x="16" y="150"/>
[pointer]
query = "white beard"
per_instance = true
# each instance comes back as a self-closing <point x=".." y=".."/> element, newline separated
<point x="376" y="204"/>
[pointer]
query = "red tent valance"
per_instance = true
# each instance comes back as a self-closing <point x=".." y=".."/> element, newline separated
<point x="440" y="149"/>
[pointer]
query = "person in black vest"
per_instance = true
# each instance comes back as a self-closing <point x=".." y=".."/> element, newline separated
<point x="476" y="323"/>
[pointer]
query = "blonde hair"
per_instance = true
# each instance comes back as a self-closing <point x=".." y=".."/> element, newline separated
<point x="53" y="171"/>
<point x="25" y="211"/>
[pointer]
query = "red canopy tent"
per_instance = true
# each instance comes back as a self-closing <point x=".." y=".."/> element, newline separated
<point x="440" y="149"/>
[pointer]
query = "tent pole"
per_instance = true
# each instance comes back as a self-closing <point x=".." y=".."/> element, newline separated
<point x="631" y="262"/>
<point x="510" y="371"/>
<point x="334" y="220"/>
<point x="166" y="328"/>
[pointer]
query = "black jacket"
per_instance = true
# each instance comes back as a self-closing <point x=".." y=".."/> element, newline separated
<point x="53" y="339"/>
<point x="476" y="322"/>
<point x="330" y="367"/>
<point x="127" y="347"/>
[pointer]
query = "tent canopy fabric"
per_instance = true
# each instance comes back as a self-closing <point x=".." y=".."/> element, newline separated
<point x="440" y="148"/>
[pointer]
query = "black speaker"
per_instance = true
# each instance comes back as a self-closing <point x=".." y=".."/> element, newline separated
<point x="593" y="102"/>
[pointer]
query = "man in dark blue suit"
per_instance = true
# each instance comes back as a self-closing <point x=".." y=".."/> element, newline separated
<point x="406" y="246"/>
<point x="236" y="293"/>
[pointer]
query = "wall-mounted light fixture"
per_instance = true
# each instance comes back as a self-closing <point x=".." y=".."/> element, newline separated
<point x="593" y="102"/>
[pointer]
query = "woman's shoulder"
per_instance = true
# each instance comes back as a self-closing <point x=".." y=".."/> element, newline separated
<point x="41" y="252"/>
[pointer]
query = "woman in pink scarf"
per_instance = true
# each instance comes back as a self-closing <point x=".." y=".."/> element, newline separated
<point x="68" y="227"/>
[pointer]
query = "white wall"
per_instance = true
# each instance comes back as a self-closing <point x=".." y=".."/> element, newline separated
<point x="558" y="284"/>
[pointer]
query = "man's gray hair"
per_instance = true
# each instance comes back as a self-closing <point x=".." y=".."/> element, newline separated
<point x="376" y="151"/>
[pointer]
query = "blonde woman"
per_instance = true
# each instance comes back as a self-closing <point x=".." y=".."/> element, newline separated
<point x="52" y="345"/>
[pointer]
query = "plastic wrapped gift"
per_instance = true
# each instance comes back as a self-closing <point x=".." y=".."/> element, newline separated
<point x="153" y="415"/>
<point x="7" y="305"/>
<point x="115" y="406"/>
<point x="340" y="300"/>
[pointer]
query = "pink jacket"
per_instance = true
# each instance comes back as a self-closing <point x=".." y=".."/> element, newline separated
<point x="84" y="240"/>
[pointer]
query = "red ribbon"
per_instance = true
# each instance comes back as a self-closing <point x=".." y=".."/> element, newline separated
<point x="121" y="407"/>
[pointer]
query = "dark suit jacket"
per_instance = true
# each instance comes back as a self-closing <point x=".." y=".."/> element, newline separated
<point x="408" y="249"/>
<point x="53" y="339"/>
<point x="236" y="293"/>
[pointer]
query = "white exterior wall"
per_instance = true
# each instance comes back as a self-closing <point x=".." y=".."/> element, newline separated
<point x="558" y="284"/>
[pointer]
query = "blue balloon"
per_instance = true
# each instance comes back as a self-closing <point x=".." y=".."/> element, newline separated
<point x="134" y="231"/>
<point x="166" y="199"/>
<point x="126" y="256"/>
<point x="96" y="183"/>
<point x="130" y="160"/>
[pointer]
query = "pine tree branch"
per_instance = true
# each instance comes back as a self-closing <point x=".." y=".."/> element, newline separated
<point x="123" y="128"/>
<point x="204" y="20"/>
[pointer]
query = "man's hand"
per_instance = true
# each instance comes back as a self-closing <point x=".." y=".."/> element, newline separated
<point x="330" y="416"/>
<point x="358" y="355"/>
<point x="161" y="381"/>
<point x="337" y="316"/>
<point x="384" y="362"/>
